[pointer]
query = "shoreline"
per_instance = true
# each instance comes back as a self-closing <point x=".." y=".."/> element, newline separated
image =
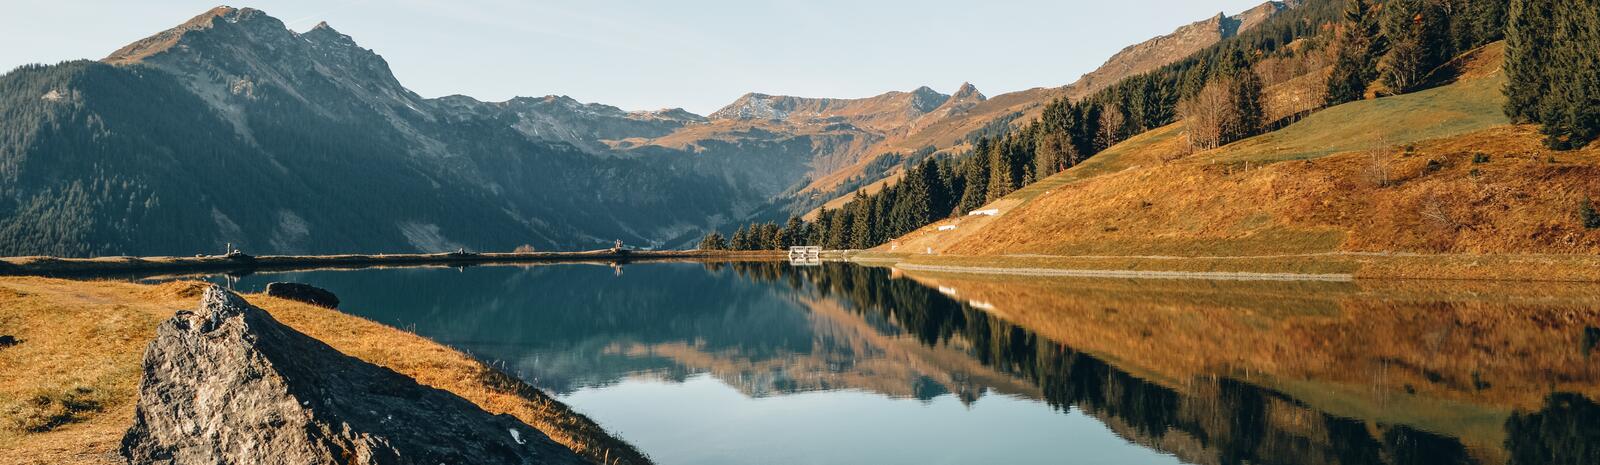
<point x="53" y="316"/>
<point x="1349" y="266"/>
<point x="1077" y="273"/>
<point x="71" y="267"/>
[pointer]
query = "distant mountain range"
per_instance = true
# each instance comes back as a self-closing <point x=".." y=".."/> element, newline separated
<point x="231" y="128"/>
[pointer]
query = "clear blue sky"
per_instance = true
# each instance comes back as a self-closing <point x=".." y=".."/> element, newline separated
<point x="637" y="55"/>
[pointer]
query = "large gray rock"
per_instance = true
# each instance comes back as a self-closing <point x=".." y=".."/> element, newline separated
<point x="227" y="384"/>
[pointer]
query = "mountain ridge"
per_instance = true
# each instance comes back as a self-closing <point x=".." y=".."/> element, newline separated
<point x="231" y="128"/>
<point x="1010" y="109"/>
<point x="309" y="108"/>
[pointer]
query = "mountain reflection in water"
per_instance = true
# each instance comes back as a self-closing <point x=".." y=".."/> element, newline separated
<point x="1207" y="372"/>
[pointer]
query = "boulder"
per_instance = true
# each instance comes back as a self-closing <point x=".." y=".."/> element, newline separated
<point x="303" y="293"/>
<point x="228" y="384"/>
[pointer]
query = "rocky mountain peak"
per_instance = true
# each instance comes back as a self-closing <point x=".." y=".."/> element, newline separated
<point x="232" y="56"/>
<point x="924" y="99"/>
<point x="322" y="33"/>
<point x="211" y="19"/>
<point x="671" y="114"/>
<point x="968" y="92"/>
<point x="751" y="106"/>
<point x="1186" y="40"/>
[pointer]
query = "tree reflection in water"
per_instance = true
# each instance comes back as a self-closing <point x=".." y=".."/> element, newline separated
<point x="1215" y="419"/>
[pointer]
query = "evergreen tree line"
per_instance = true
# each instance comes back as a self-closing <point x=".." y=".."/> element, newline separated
<point x="1217" y="92"/>
<point x="930" y="191"/>
<point x="1398" y="44"/>
<point x="1553" y="63"/>
<point x="1066" y="133"/>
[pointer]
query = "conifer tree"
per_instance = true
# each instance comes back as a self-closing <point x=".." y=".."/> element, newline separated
<point x="792" y="234"/>
<point x="741" y="239"/>
<point x="1417" y="43"/>
<point x="861" y="228"/>
<point x="1247" y="103"/>
<point x="818" y="230"/>
<point x="911" y="205"/>
<point x="714" y="241"/>
<point x="841" y="229"/>
<point x="1360" y="44"/>
<point x="1553" y="65"/>
<point x="976" y="179"/>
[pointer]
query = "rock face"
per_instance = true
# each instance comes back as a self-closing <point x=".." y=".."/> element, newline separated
<point x="303" y="293"/>
<point x="1151" y="54"/>
<point x="227" y="384"/>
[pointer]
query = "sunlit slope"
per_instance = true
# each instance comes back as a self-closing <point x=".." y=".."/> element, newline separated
<point x="1433" y="171"/>
<point x="1474" y="102"/>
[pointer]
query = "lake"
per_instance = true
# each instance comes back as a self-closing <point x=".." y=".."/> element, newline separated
<point x="767" y="363"/>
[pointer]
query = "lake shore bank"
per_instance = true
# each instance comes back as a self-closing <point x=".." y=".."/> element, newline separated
<point x="67" y="267"/>
<point x="73" y="368"/>
<point x="1324" y="266"/>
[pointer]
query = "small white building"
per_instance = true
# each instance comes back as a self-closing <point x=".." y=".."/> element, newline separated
<point x="805" y="253"/>
<point x="948" y="227"/>
<point x="988" y="212"/>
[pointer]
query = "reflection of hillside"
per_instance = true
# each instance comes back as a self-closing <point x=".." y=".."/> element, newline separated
<point x="1215" y="373"/>
<point x="848" y="352"/>
<point x="1500" y="346"/>
<point x="575" y="326"/>
<point x="1181" y="368"/>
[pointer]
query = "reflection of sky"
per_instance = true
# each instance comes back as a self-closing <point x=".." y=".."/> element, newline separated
<point x="578" y="331"/>
<point x="703" y="421"/>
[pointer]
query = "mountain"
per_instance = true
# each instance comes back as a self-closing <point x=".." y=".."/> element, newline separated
<point x="953" y="129"/>
<point x="587" y="126"/>
<point x="230" y="128"/>
<point x="1146" y="56"/>
<point x="775" y="144"/>
<point x="883" y="112"/>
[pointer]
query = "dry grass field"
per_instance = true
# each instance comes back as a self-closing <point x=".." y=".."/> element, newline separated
<point x="71" y="383"/>
<point x="1381" y="187"/>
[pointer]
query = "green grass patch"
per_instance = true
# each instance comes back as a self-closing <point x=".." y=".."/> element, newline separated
<point x="1363" y="125"/>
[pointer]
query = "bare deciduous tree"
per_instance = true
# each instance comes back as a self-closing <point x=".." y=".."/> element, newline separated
<point x="1111" y="122"/>
<point x="1207" y="115"/>
<point x="1377" y="167"/>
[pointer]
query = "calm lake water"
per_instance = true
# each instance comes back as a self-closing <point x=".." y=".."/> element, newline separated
<point x="761" y="363"/>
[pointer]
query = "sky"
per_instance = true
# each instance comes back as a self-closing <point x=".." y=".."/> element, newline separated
<point x="645" y="55"/>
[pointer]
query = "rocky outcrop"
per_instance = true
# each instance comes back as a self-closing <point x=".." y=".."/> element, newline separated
<point x="303" y="293"/>
<point x="228" y="384"/>
<point x="1151" y="54"/>
<point x="885" y="112"/>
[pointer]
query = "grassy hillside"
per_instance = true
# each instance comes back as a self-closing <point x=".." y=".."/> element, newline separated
<point x="1474" y="102"/>
<point x="1437" y="171"/>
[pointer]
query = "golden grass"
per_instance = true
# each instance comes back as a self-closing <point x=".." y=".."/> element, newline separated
<point x="1474" y="103"/>
<point x="85" y="340"/>
<point x="1428" y="198"/>
<point x="1426" y="185"/>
